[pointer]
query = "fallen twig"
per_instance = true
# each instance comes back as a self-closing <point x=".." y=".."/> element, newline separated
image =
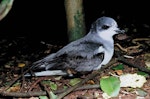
<point x="29" y="94"/>
<point x="134" y="49"/>
<point x="23" y="94"/>
<point x="141" y="68"/>
<point x="23" y="79"/>
<point x="11" y="83"/>
<point x="46" y="89"/>
<point x="35" y="83"/>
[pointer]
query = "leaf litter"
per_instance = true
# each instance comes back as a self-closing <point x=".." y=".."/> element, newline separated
<point x="12" y="63"/>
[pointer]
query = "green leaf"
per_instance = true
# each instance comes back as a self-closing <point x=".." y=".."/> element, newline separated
<point x="141" y="92"/>
<point x="65" y="87"/>
<point x="43" y="97"/>
<point x="53" y="86"/>
<point x="46" y="82"/>
<point x="74" y="81"/>
<point x="110" y="85"/>
<point x="118" y="67"/>
<point x="142" y="73"/>
<point x="52" y="95"/>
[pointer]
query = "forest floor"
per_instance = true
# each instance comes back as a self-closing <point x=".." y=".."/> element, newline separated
<point x="18" y="53"/>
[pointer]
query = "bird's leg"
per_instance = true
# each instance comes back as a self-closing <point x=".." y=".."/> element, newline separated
<point x="70" y="72"/>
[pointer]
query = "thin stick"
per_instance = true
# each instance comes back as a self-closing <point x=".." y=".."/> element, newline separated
<point x="16" y="79"/>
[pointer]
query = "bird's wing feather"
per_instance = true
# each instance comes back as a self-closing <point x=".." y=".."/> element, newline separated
<point x="81" y="48"/>
<point x="73" y="55"/>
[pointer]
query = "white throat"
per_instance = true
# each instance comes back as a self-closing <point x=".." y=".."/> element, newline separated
<point x="108" y="46"/>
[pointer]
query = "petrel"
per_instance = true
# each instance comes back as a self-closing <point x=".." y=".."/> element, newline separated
<point x="85" y="54"/>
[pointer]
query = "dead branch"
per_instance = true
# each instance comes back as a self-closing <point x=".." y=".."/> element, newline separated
<point x="121" y="59"/>
<point x="133" y="49"/>
<point x="30" y="94"/>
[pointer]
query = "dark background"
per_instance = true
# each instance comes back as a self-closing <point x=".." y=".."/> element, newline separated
<point x="46" y="20"/>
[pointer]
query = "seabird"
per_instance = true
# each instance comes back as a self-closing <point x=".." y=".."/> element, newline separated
<point x="85" y="54"/>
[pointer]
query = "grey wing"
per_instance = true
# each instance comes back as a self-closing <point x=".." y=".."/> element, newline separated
<point x="78" y="55"/>
<point x="81" y="48"/>
<point x="83" y="63"/>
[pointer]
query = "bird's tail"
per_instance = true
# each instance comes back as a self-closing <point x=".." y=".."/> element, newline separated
<point x="43" y="63"/>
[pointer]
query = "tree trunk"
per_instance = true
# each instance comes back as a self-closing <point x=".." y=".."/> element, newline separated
<point x="75" y="19"/>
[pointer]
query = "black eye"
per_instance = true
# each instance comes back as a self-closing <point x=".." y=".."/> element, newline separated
<point x="105" y="27"/>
